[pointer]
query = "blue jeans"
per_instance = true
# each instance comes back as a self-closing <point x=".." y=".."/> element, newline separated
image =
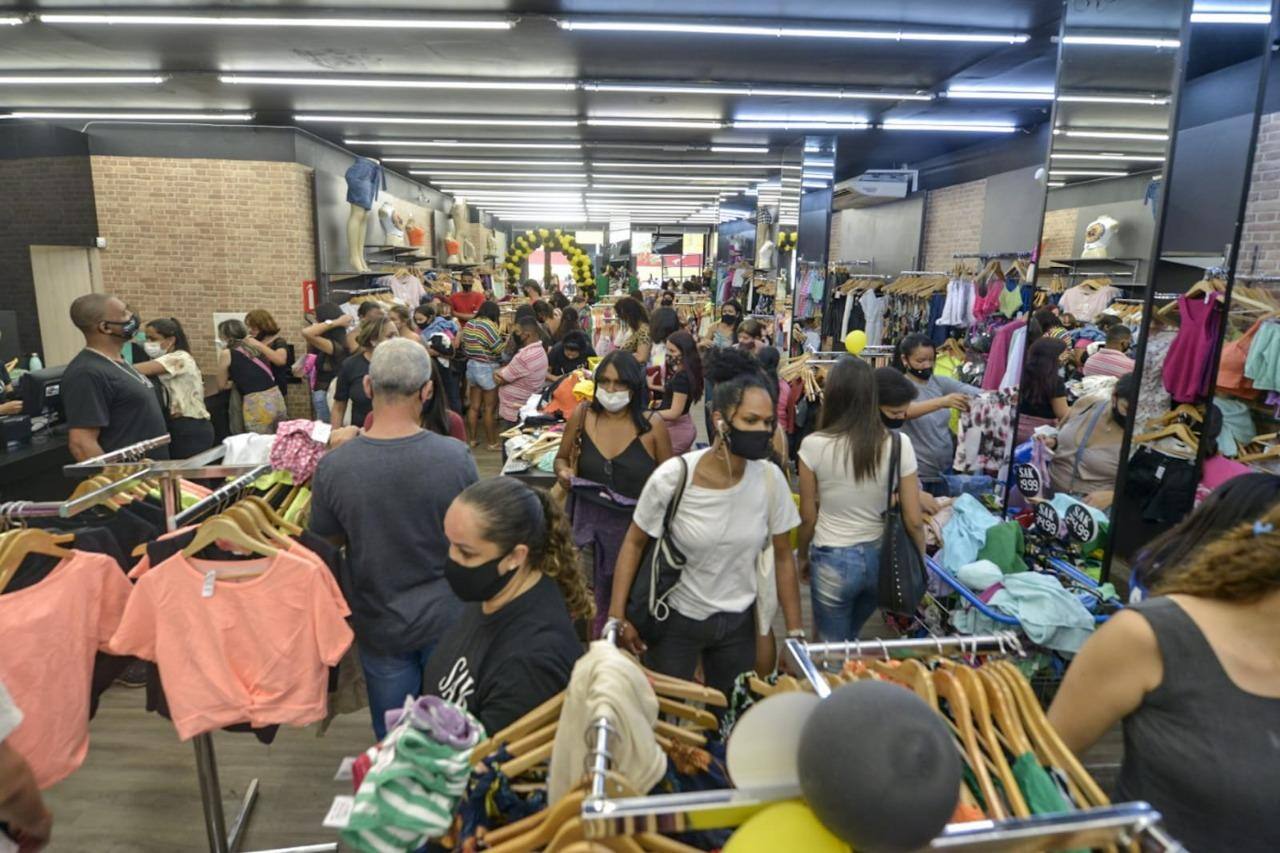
<point x="390" y="678"/>
<point x="843" y="585"/>
<point x="320" y="402"/>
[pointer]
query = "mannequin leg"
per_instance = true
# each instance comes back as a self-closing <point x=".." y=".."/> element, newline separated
<point x="355" y="238"/>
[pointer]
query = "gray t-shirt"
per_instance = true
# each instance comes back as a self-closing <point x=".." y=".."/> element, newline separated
<point x="388" y="497"/>
<point x="931" y="435"/>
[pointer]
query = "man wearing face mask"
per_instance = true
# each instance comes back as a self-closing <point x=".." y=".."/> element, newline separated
<point x="1087" y="448"/>
<point x="524" y="376"/>
<point x="108" y="403"/>
<point x="466" y="302"/>
<point x="370" y="494"/>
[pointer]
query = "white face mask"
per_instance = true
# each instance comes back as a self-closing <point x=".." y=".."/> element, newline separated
<point x="613" y="401"/>
<point x="154" y="350"/>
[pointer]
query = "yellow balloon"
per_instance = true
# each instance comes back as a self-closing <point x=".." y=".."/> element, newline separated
<point x="543" y="232"/>
<point x="785" y="826"/>
<point x="855" y="342"/>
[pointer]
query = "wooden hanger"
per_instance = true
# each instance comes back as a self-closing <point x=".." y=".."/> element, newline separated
<point x="272" y="515"/>
<point x="1177" y="430"/>
<point x="1002" y="707"/>
<point x="21" y="543"/>
<point x="911" y="673"/>
<point x="968" y="681"/>
<point x="700" y="718"/>
<point x="1184" y="410"/>
<point x="547" y="712"/>
<point x="948" y="687"/>
<point x="222" y="528"/>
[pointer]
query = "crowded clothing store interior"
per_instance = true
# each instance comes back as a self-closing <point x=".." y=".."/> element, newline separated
<point x="520" y="426"/>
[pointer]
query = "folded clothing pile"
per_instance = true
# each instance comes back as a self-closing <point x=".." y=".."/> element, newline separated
<point x="414" y="778"/>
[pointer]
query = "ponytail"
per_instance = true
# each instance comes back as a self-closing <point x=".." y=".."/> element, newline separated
<point x="560" y="559"/>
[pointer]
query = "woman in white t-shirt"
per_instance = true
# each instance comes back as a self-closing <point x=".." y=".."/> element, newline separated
<point x="735" y="504"/>
<point x="844" y="481"/>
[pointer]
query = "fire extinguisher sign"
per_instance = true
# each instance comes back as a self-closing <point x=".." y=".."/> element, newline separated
<point x="310" y="296"/>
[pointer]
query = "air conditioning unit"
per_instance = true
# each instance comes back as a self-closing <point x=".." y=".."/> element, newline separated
<point x="880" y="186"/>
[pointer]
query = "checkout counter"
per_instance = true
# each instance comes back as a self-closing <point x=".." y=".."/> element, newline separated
<point x="31" y="463"/>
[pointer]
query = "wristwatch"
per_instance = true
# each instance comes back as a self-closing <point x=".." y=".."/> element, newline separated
<point x="796" y="634"/>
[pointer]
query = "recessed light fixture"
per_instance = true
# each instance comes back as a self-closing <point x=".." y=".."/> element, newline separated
<point x="316" y="118"/>
<point x="800" y="124"/>
<point x="127" y="116"/>
<point x="398" y="23"/>
<point x="790" y="31"/>
<point x="949" y="126"/>
<point x="693" y="124"/>
<point x="1086" y="173"/>
<point x="536" y="164"/>
<point x="1145" y="158"/>
<point x="80" y="79"/>
<point x="399" y="83"/>
<point x="1121" y="41"/>
<point x="1113" y="134"/>
<point x="753" y="90"/>
<point x="462" y="143"/>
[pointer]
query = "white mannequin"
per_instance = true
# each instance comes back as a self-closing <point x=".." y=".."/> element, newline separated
<point x="1098" y="235"/>
<point x="457" y="222"/>
<point x="765" y="257"/>
<point x="392" y="223"/>
<point x="356" y="219"/>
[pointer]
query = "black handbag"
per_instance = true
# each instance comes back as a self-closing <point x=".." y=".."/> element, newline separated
<point x="658" y="573"/>
<point x="902" y="572"/>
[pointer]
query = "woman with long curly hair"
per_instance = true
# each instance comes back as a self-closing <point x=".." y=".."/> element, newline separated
<point x="513" y="564"/>
<point x="1194" y="676"/>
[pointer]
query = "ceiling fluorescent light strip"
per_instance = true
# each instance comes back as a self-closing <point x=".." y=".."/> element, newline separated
<point x="507" y="175"/>
<point x="623" y="176"/>
<point x="692" y="124"/>
<point x="799" y="124"/>
<point x="128" y="116"/>
<point x="398" y="23"/>
<point x="1113" y="134"/>
<point x="945" y="127"/>
<point x="964" y="92"/>
<point x="790" y="31"/>
<point x="1083" y="173"/>
<point x="752" y="90"/>
<point x="739" y="149"/>
<point x="318" y="118"/>
<point x="1224" y="17"/>
<point x="1122" y="41"/>
<point x="442" y="161"/>
<point x="377" y="83"/>
<point x="1140" y="100"/>
<point x="623" y="164"/>
<point x="463" y="143"/>
<point x="11" y="21"/>
<point x="554" y="185"/>
<point x="80" y="79"/>
<point x="1145" y="158"/>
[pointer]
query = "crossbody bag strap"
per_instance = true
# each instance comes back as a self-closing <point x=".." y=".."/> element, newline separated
<point x="674" y="504"/>
<point x="895" y="445"/>
<point x="1099" y="409"/>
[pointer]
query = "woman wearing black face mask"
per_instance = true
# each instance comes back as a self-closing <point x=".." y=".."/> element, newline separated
<point x="512" y="563"/>
<point x="929" y="418"/>
<point x="735" y="504"/>
<point x="1087" y="448"/>
<point x="844" y="482"/>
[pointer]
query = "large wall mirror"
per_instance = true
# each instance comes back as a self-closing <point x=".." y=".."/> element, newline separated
<point x="1119" y="71"/>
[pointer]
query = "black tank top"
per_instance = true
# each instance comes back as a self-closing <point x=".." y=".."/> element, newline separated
<point x="1204" y="752"/>
<point x="625" y="473"/>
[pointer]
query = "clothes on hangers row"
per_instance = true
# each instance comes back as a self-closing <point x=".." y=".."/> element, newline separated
<point x="1188" y="368"/>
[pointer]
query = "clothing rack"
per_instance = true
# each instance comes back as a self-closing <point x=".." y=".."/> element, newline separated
<point x="68" y="508"/>
<point x="170" y="473"/>
<point x="132" y="453"/>
<point x="989" y="256"/>
<point x="803" y="654"/>
<point x="1258" y="278"/>
<point x="923" y="272"/>
<point x="359" y="291"/>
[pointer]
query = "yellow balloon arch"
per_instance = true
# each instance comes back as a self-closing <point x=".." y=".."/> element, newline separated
<point x="553" y="240"/>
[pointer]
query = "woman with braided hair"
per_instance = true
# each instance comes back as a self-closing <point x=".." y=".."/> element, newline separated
<point x="1194" y="675"/>
<point x="512" y="562"/>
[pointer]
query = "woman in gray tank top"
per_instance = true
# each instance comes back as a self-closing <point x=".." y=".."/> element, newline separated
<point x="1194" y="674"/>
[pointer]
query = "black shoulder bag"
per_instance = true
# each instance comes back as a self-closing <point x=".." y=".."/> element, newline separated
<point x="902" y="572"/>
<point x="658" y="572"/>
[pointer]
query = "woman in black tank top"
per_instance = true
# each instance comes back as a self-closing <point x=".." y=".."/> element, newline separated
<point x="1194" y="675"/>
<point x="616" y="442"/>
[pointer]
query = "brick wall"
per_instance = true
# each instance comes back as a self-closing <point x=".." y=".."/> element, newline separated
<point x="47" y="201"/>
<point x="834" y="239"/>
<point x="953" y="223"/>
<point x="188" y="237"/>
<point x="1262" y="214"/>
<point x="1059" y="233"/>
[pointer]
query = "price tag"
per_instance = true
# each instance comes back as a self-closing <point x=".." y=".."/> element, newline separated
<point x="1028" y="477"/>
<point x="1081" y="524"/>
<point x="340" y="812"/>
<point x="1047" y="521"/>
<point x="345" y="772"/>
<point x="206" y="590"/>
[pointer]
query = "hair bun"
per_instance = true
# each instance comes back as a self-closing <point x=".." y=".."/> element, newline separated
<point x="729" y="363"/>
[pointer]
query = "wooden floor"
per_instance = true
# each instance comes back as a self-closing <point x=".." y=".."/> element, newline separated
<point x="137" y="792"/>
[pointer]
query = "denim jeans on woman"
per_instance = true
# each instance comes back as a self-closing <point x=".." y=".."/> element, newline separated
<point x="843" y="584"/>
<point x="389" y="679"/>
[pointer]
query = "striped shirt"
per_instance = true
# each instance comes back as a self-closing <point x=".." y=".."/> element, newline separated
<point x="1108" y="362"/>
<point x="523" y="377"/>
<point x="481" y="341"/>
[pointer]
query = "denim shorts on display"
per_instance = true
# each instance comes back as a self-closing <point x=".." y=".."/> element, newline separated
<point x="480" y="374"/>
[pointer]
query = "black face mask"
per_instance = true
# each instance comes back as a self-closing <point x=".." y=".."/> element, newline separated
<point x="1121" y="420"/>
<point x="729" y="319"/>
<point x="467" y="286"/>
<point x="921" y="373"/>
<point x="750" y="444"/>
<point x="128" y="328"/>
<point x="422" y="324"/>
<point x="476" y="583"/>
<point x="892" y="423"/>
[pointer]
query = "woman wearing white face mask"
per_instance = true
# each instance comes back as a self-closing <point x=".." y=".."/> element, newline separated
<point x="171" y="363"/>
<point x="616" y="441"/>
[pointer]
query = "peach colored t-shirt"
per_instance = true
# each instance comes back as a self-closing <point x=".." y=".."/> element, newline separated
<point x="255" y="651"/>
<point x="49" y="635"/>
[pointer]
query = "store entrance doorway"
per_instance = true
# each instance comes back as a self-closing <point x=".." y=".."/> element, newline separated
<point x="62" y="273"/>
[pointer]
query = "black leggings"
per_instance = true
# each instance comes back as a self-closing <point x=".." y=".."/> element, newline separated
<point x="724" y="642"/>
<point x="189" y="436"/>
